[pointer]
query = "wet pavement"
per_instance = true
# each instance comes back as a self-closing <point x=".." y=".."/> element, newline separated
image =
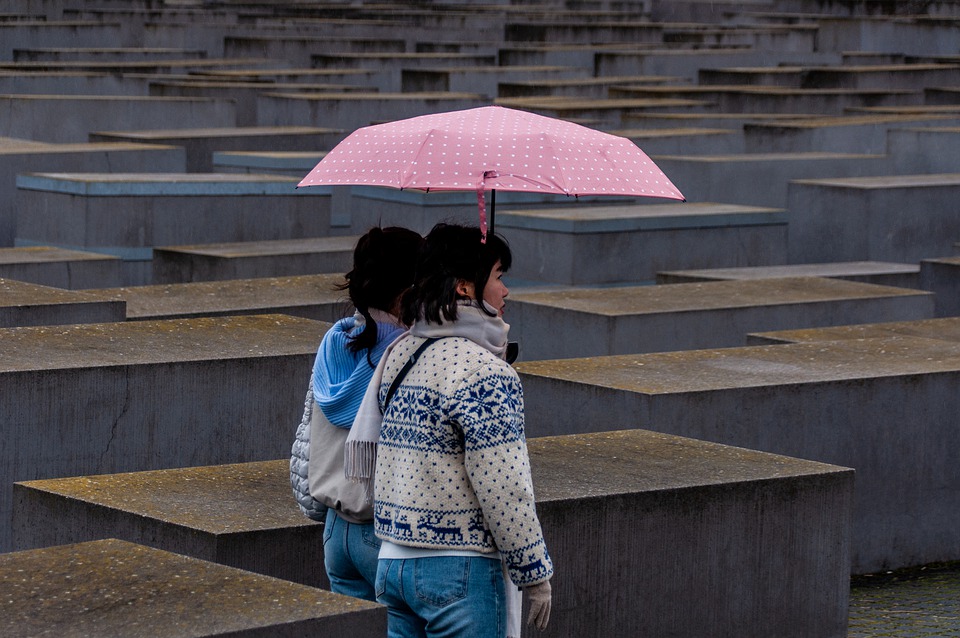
<point x="919" y="602"/>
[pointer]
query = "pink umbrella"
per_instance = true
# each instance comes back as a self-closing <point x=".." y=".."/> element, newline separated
<point x="492" y="148"/>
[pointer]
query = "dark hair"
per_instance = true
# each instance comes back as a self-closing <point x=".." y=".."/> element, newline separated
<point x="450" y="253"/>
<point x="384" y="263"/>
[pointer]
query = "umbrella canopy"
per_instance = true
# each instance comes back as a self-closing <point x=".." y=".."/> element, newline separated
<point x="492" y="148"/>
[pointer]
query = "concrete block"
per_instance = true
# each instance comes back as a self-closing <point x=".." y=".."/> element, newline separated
<point x="589" y="322"/>
<point x="116" y="588"/>
<point x="25" y="34"/>
<point x="851" y="134"/>
<point x="391" y="65"/>
<point x="29" y="116"/>
<point x="898" y="218"/>
<point x="585" y="87"/>
<point x="885" y="407"/>
<point x="604" y="113"/>
<point x="942" y="277"/>
<point x="27" y="304"/>
<point x="911" y="77"/>
<point x="695" y="141"/>
<point x="23" y="156"/>
<point x="201" y="143"/>
<point x="871" y="272"/>
<point x="68" y="82"/>
<point x="59" y="268"/>
<point x="309" y="296"/>
<point x="298" y="49"/>
<point x="254" y="524"/>
<point x="292" y="163"/>
<point x="127" y="214"/>
<point x="479" y="79"/>
<point x="944" y="328"/>
<point x="568" y="244"/>
<point x="350" y="111"/>
<point x="144" y="395"/>
<point x="244" y="260"/>
<point x="759" y="179"/>
<point x="934" y="149"/>
<point x="719" y="523"/>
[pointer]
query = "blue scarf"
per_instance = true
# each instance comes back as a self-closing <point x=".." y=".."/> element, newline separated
<point x="340" y="377"/>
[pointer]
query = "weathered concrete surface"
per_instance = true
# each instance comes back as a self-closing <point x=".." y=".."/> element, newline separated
<point x="28" y="304"/>
<point x="294" y="163"/>
<point x="945" y="328"/>
<point x="656" y="535"/>
<point x="934" y="149"/>
<point x="585" y="322"/>
<point x="942" y="277"/>
<point x="201" y="143"/>
<point x="116" y="588"/>
<point x="885" y="407"/>
<point x="863" y="219"/>
<point x="24" y="156"/>
<point x="598" y="244"/>
<point x="130" y="396"/>
<point x="718" y="524"/>
<point x="68" y="269"/>
<point x="760" y="179"/>
<point x="255" y="524"/>
<point x="127" y="214"/>
<point x="308" y="296"/>
<point x="241" y="260"/>
<point x="871" y="272"/>
<point x="29" y="116"/>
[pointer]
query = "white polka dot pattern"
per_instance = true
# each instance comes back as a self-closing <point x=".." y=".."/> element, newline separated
<point x="493" y="148"/>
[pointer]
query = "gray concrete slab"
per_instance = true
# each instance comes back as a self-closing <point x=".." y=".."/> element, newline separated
<point x="28" y="304"/>
<point x="692" y="140"/>
<point x="849" y="134"/>
<point x="578" y="244"/>
<point x="391" y="65"/>
<point x="882" y="76"/>
<point x="127" y="214"/>
<point x="68" y="83"/>
<point x="24" y="34"/>
<point x="686" y="63"/>
<point x="243" y="260"/>
<point x="587" y="87"/>
<point x="146" y="395"/>
<point x="104" y="53"/>
<point x="201" y="143"/>
<point x="759" y="179"/>
<point x="625" y="476"/>
<point x="26" y="156"/>
<point x="603" y="113"/>
<point x="350" y="111"/>
<point x="884" y="407"/>
<point x="934" y="149"/>
<point x="588" y="322"/>
<point x="59" y="268"/>
<point x="293" y="163"/>
<point x="30" y="116"/>
<point x="116" y="588"/>
<point x="942" y="277"/>
<point x="312" y="296"/>
<point x="871" y="272"/>
<point x="297" y="50"/>
<point x="899" y="218"/>
<point x="257" y="526"/>
<point x="945" y="328"/>
<point x="480" y="79"/>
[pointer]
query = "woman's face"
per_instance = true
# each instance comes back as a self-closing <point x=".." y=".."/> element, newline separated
<point x="495" y="292"/>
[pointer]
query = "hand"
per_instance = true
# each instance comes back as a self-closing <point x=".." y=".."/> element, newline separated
<point x="539" y="596"/>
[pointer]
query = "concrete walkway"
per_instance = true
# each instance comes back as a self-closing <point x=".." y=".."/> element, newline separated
<point x="921" y="602"/>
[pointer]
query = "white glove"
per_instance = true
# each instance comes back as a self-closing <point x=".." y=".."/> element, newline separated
<point x="539" y="596"/>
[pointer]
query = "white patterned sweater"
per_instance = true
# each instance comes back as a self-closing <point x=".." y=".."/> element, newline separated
<point x="452" y="465"/>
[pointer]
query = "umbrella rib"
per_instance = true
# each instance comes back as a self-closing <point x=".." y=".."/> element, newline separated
<point x="411" y="165"/>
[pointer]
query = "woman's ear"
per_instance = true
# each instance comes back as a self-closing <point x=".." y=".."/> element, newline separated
<point x="464" y="289"/>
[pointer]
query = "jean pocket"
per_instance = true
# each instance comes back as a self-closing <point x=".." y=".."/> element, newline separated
<point x="380" y="581"/>
<point x="328" y="526"/>
<point x="369" y="537"/>
<point x="442" y="580"/>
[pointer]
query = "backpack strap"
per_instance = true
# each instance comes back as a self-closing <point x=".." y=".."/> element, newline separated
<point x="405" y="369"/>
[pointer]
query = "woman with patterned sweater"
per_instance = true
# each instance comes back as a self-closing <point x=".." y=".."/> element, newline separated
<point x="453" y="496"/>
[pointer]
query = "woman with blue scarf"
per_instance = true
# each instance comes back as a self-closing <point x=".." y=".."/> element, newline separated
<point x="383" y="268"/>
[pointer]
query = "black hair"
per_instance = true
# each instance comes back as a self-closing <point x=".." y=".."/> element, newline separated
<point x="451" y="253"/>
<point x="384" y="263"/>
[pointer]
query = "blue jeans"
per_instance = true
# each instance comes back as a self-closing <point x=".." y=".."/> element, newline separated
<point x="443" y="597"/>
<point x="350" y="556"/>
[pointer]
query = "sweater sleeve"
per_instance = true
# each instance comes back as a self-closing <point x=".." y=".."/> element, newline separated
<point x="488" y="405"/>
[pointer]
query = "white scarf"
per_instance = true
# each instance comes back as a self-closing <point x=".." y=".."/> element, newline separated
<point x="360" y="453"/>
